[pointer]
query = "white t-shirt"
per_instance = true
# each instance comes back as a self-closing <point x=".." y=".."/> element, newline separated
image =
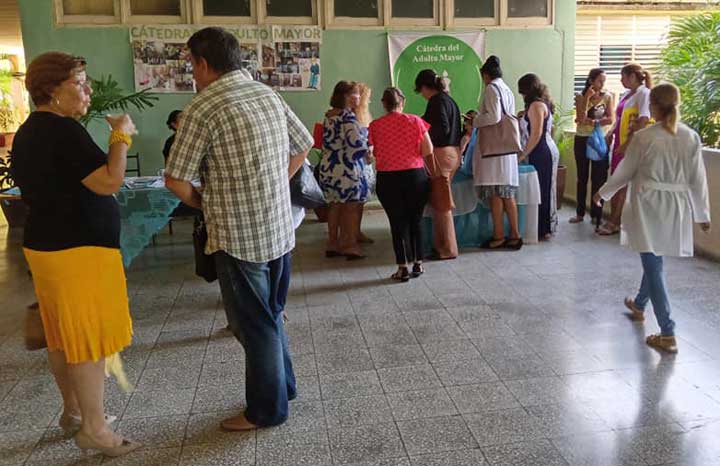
<point x="640" y="101"/>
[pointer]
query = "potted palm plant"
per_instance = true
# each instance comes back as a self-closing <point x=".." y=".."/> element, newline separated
<point x="561" y="120"/>
<point x="107" y="97"/>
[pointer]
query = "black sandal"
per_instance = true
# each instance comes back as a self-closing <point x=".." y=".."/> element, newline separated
<point x="354" y="257"/>
<point x="402" y="275"/>
<point x="489" y="244"/>
<point x="417" y="270"/>
<point x="514" y="244"/>
<point x="331" y="254"/>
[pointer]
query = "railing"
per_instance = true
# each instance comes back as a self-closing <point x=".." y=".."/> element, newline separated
<point x="706" y="244"/>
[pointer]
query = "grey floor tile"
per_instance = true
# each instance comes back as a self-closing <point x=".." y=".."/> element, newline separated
<point x="451" y="458"/>
<point x="388" y="335"/>
<point x="401" y="461"/>
<point x="302" y="449"/>
<point x="304" y="416"/>
<point x="523" y="367"/>
<point x="308" y="388"/>
<point x="169" y="378"/>
<point x="397" y="355"/>
<point x="366" y="443"/>
<point x="450" y="350"/>
<point x="349" y="360"/>
<point x="482" y="397"/>
<point x="154" y="457"/>
<point x="205" y="428"/>
<point x="240" y="451"/>
<point x="399" y="379"/>
<point x="501" y="427"/>
<point x="540" y="452"/>
<point x="568" y="418"/>
<point x="229" y="373"/>
<point x="160" y="403"/>
<point x="15" y="447"/>
<point x="539" y="391"/>
<point x="219" y="398"/>
<point x="599" y="449"/>
<point x="155" y="432"/>
<point x="54" y="448"/>
<point x="362" y="410"/>
<point x="423" y="436"/>
<point x="471" y="371"/>
<point x="421" y="404"/>
<point x="502" y="345"/>
<point x="347" y="385"/>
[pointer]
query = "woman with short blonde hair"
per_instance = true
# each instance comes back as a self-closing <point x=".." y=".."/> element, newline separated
<point x="664" y="166"/>
<point x="72" y="242"/>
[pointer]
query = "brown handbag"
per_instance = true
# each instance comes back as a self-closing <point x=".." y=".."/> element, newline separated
<point x="441" y="198"/>
<point x="34" y="330"/>
<point x="502" y="138"/>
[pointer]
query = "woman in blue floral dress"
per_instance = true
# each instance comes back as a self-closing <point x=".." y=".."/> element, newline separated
<point x="342" y="171"/>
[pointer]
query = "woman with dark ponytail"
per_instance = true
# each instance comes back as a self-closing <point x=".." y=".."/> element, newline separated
<point x="540" y="147"/>
<point x="594" y="106"/>
<point x="443" y="115"/>
<point x="632" y="114"/>
<point x="669" y="192"/>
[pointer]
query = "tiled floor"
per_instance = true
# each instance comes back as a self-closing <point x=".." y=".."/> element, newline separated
<point x="496" y="359"/>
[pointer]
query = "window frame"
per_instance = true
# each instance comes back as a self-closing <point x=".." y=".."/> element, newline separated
<point x="344" y="22"/>
<point x="94" y="20"/>
<point x="191" y="12"/>
<point x="264" y="19"/>
<point x="527" y="22"/>
<point x="436" y="22"/>
<point x="453" y="21"/>
<point x="183" y="18"/>
<point x="199" y="16"/>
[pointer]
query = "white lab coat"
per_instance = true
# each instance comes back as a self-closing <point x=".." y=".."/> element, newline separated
<point x="668" y="191"/>
<point x="495" y="171"/>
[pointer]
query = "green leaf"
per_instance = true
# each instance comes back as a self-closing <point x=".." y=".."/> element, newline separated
<point x="692" y="61"/>
<point x="108" y="97"/>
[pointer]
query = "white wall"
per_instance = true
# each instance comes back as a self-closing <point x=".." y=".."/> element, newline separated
<point x="709" y="244"/>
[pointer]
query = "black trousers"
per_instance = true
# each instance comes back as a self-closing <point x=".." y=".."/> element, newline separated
<point x="598" y="178"/>
<point x="403" y="195"/>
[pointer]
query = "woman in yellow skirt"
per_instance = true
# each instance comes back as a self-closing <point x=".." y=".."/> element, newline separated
<point x="72" y="242"/>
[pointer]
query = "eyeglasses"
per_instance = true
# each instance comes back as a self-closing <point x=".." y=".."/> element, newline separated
<point x="80" y="61"/>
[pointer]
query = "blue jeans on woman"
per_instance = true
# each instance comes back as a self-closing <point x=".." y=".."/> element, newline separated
<point x="254" y="296"/>
<point x="653" y="289"/>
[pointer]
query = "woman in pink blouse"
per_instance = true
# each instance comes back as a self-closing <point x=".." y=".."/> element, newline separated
<point x="400" y="141"/>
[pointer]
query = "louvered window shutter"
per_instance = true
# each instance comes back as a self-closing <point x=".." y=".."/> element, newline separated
<point x="610" y="42"/>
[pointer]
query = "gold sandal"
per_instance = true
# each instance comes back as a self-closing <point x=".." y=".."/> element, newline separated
<point x="663" y="343"/>
<point x="636" y="314"/>
<point x="608" y="229"/>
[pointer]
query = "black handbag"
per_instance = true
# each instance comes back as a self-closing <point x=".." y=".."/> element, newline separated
<point x="305" y="190"/>
<point x="204" y="264"/>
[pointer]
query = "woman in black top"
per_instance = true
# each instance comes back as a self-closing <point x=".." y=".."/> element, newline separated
<point x="72" y="242"/>
<point x="172" y="123"/>
<point x="445" y="131"/>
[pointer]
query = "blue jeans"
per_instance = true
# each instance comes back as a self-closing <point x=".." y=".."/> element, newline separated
<point x="254" y="296"/>
<point x="653" y="289"/>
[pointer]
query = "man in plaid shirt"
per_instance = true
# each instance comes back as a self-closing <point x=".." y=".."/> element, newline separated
<point x="245" y="143"/>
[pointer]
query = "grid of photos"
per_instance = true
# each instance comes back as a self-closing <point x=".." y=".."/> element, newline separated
<point x="162" y="67"/>
<point x="291" y="65"/>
